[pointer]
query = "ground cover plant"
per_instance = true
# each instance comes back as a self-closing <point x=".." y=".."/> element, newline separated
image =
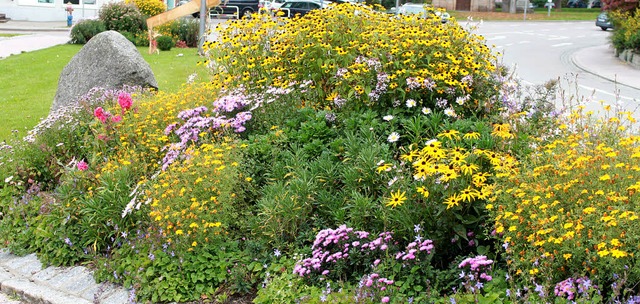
<point x="330" y="160"/>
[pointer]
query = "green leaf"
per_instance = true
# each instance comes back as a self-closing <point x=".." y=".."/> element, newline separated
<point x="461" y="231"/>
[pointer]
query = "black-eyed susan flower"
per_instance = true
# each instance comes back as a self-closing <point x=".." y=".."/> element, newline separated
<point x="397" y="199"/>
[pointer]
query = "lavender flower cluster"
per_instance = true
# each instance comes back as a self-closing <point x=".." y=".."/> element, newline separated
<point x="381" y="86"/>
<point x="413" y="84"/>
<point x="194" y="123"/>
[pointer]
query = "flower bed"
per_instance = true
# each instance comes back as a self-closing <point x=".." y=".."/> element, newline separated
<point x="347" y="155"/>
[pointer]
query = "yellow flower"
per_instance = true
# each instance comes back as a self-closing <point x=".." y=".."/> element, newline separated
<point x="471" y="135"/>
<point x="567" y="256"/>
<point x="194" y="244"/>
<point x="453" y="201"/>
<point x="605" y="177"/>
<point x="534" y="271"/>
<point x="179" y="232"/>
<point x="618" y="253"/>
<point x="450" y="134"/>
<point x="423" y="191"/>
<point x="396" y="199"/>
<point x="603" y="253"/>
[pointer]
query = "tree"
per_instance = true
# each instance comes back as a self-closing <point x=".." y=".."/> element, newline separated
<point x="622" y="5"/>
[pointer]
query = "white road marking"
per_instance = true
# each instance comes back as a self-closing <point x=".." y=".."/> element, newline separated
<point x="497" y="38"/>
<point x="606" y="92"/>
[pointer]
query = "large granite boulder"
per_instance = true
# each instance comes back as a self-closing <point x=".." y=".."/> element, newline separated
<point x="109" y="61"/>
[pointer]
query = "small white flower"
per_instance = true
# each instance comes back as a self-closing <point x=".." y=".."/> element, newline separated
<point x="380" y="163"/>
<point x="430" y="142"/>
<point x="450" y="112"/>
<point x="411" y="103"/>
<point x="426" y="111"/>
<point x="8" y="179"/>
<point x="59" y="144"/>
<point x="393" y="137"/>
<point x="392" y="181"/>
<point x="388" y="117"/>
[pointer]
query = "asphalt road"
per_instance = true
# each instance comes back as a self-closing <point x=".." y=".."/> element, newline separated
<point x="541" y="51"/>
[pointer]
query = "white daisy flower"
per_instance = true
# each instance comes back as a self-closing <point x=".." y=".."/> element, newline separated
<point x="426" y="111"/>
<point x="411" y="103"/>
<point x="393" y="137"/>
<point x="388" y="117"/>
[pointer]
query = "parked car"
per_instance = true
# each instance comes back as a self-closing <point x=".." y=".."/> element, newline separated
<point x="300" y="7"/>
<point x="237" y="8"/>
<point x="596" y="3"/>
<point x="418" y="8"/>
<point x="576" y="4"/>
<point x="604" y="22"/>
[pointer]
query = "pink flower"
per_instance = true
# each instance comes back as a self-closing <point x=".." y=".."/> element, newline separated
<point x="125" y="101"/>
<point x="116" y="118"/>
<point x="82" y="165"/>
<point x="385" y="300"/>
<point x="100" y="114"/>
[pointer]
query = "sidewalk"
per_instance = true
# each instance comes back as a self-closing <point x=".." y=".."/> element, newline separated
<point x="25" y="278"/>
<point x="31" y="36"/>
<point x="600" y="61"/>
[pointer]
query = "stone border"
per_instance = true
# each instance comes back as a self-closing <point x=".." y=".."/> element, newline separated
<point x="630" y="57"/>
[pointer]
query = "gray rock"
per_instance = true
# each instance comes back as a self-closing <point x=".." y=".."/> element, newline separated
<point x="109" y="61"/>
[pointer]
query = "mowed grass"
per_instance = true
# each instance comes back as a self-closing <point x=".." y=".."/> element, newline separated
<point x="539" y="14"/>
<point x="28" y="81"/>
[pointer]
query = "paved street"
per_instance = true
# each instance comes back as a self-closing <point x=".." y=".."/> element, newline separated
<point x="541" y="51"/>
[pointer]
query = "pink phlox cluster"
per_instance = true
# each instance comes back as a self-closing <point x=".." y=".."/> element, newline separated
<point x="82" y="165"/>
<point x="413" y="248"/>
<point x="125" y="101"/>
<point x="101" y="114"/>
<point x="478" y="265"/>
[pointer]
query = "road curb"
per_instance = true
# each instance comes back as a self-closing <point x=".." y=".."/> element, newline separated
<point x="607" y="67"/>
<point x="25" y="277"/>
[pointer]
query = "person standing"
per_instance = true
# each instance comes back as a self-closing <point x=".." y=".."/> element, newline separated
<point x="69" y="10"/>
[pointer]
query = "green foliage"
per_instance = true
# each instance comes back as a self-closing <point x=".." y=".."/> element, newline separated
<point x="85" y="30"/>
<point x="122" y="17"/>
<point x="165" y="43"/>
<point x="186" y="30"/>
<point x="627" y="33"/>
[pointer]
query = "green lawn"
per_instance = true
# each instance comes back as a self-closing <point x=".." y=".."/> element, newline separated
<point x="539" y="14"/>
<point x="28" y="81"/>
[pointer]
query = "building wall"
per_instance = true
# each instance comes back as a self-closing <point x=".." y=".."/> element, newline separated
<point x="48" y="10"/>
<point x="476" y="5"/>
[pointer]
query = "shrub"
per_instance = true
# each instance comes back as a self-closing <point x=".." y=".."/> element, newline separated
<point x="627" y="33"/>
<point x="165" y="43"/>
<point x="85" y="30"/>
<point x="121" y="17"/>
<point x="186" y="30"/>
